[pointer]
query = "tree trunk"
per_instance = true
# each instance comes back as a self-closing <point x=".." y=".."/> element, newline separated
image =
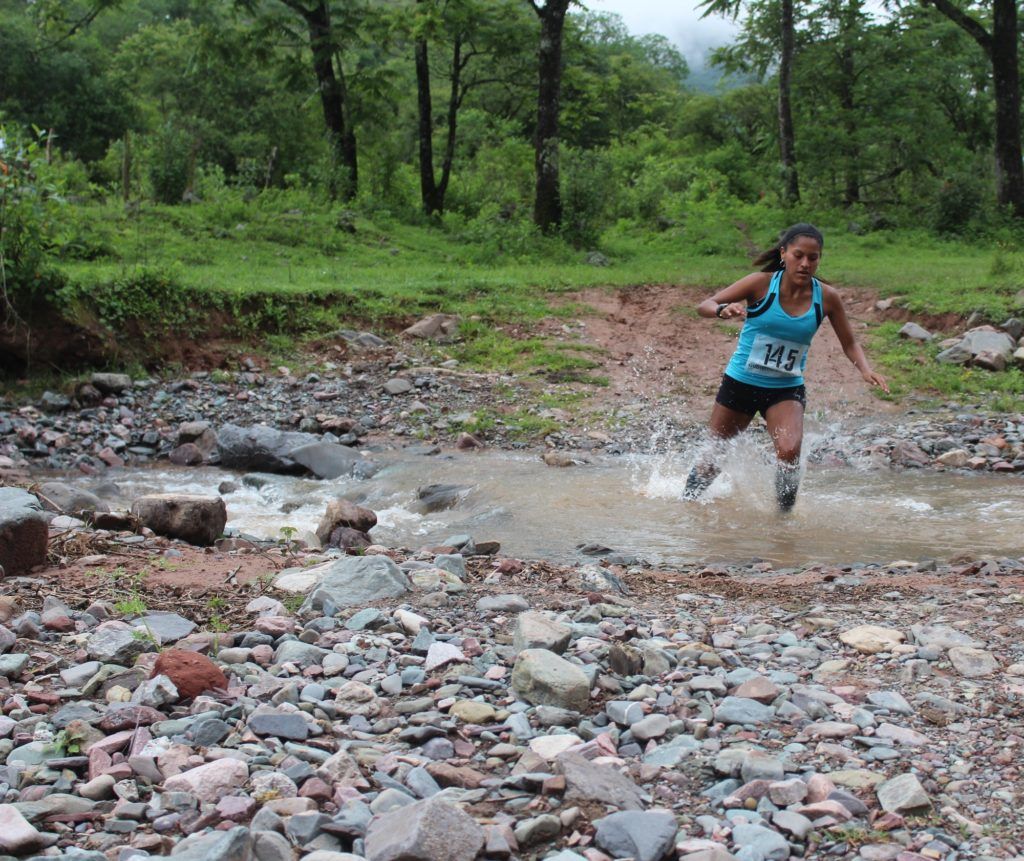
<point x="428" y="187"/>
<point x="1006" y="77"/>
<point x="332" y="97"/>
<point x="454" y="101"/>
<point x="787" y="146"/>
<point x="848" y="102"/>
<point x="126" y="168"/>
<point x="547" y="206"/>
<point x="1001" y="47"/>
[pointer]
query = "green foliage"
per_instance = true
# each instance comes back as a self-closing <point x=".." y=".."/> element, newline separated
<point x="28" y="205"/>
<point x="168" y="163"/>
<point x="133" y="606"/>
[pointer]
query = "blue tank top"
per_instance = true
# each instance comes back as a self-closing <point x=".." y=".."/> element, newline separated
<point x="772" y="350"/>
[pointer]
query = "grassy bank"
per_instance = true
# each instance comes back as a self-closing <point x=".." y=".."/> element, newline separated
<point x="274" y="271"/>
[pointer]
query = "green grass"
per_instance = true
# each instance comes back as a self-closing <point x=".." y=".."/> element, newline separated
<point x="911" y="366"/>
<point x="271" y="276"/>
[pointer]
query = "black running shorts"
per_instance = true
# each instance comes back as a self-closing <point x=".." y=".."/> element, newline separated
<point x="751" y="400"/>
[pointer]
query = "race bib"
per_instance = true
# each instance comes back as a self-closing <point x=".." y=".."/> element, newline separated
<point x="775" y="357"/>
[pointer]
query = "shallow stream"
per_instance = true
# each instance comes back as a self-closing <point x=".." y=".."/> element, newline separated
<point x="633" y="504"/>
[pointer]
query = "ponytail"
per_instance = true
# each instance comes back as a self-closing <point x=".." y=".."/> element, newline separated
<point x="770" y="260"/>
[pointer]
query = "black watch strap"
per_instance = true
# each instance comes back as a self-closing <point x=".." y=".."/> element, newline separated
<point x="721" y="307"/>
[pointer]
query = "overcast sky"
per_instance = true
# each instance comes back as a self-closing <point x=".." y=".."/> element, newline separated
<point x="679" y="20"/>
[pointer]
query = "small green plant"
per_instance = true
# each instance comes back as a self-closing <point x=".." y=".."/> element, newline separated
<point x="292" y="603"/>
<point x="218" y="624"/>
<point x="217" y="603"/>
<point x="133" y="606"/>
<point x="146" y="635"/>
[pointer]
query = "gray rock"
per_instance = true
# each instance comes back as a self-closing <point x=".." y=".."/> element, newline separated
<point x="987" y="339"/>
<point x="770" y="844"/>
<point x="260" y="448"/>
<point x="643" y="836"/>
<point x="165" y="627"/>
<point x="268" y="721"/>
<point x="116" y="642"/>
<point x="738" y="710"/>
<point x="67" y="499"/>
<point x="652" y="726"/>
<point x="233" y="845"/>
<point x="973" y="663"/>
<point x="300" y="653"/>
<point x="439" y="497"/>
<point x="355" y="581"/>
<point x="502" y="604"/>
<point x="543" y="678"/>
<point x="111" y="384"/>
<point x="589" y="781"/>
<point x="671" y="754"/>
<point x="958" y="354"/>
<point x="903" y="794"/>
<point x="271" y="846"/>
<point x="537" y="631"/>
<point x="398" y="386"/>
<point x="430" y="830"/>
<point x="23" y="531"/>
<point x="330" y="460"/>
<point x="199" y="520"/>
<point x="915" y="332"/>
<point x="17" y="835"/>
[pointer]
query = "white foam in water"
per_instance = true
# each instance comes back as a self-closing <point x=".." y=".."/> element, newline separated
<point x="913" y="505"/>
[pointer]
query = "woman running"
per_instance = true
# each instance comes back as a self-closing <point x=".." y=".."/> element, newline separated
<point x="782" y="307"/>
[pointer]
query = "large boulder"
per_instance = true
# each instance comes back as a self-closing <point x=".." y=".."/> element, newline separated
<point x="331" y="460"/>
<point x="198" y="520"/>
<point x="111" y="384"/>
<point x="434" y="326"/>
<point x="543" y="678"/>
<point x="356" y="581"/>
<point x="67" y="499"/>
<point x="23" y="531"/>
<point x="261" y="449"/>
<point x="988" y="339"/>
<point x="430" y="830"/>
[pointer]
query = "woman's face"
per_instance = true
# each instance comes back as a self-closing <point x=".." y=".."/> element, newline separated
<point x="801" y="257"/>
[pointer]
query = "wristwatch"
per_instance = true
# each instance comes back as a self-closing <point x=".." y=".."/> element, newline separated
<point x="721" y="307"/>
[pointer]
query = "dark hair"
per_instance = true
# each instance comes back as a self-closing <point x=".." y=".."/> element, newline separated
<point x="771" y="260"/>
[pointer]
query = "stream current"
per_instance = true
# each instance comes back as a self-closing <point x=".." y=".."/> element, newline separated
<point x="633" y="504"/>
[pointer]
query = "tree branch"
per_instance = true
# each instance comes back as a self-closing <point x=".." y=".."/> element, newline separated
<point x="964" y="22"/>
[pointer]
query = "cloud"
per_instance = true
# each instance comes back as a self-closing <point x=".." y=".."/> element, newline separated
<point x="679" y="22"/>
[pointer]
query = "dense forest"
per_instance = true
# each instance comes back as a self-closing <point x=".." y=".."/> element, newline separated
<point x="519" y="121"/>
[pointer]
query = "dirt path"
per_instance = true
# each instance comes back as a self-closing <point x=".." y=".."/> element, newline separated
<point x="656" y="348"/>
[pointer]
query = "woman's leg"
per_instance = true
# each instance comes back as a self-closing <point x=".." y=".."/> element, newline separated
<point x="725" y="424"/>
<point x="785" y="422"/>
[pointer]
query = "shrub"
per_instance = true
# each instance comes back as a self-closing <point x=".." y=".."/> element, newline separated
<point x="27" y="204"/>
<point x="168" y="163"/>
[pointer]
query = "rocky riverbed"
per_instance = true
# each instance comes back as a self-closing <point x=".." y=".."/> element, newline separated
<point x="438" y="704"/>
<point x="389" y="399"/>
<point x="266" y="701"/>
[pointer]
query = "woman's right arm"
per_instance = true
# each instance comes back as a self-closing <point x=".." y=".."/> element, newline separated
<point x="735" y="298"/>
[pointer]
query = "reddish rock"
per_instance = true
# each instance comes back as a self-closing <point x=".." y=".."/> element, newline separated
<point x="275" y="626"/>
<point x="187" y="454"/>
<point x="343" y="513"/>
<point x="191" y="672"/>
<point x="130" y="717"/>
<point x="316" y="789"/>
<point x="463" y="776"/>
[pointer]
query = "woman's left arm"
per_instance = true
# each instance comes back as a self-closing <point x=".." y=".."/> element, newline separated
<point x="836" y="313"/>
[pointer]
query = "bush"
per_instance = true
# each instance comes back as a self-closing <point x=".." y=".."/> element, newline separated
<point x="27" y="205"/>
<point x="168" y="164"/>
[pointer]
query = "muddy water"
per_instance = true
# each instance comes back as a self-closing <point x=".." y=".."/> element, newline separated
<point x="634" y="505"/>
